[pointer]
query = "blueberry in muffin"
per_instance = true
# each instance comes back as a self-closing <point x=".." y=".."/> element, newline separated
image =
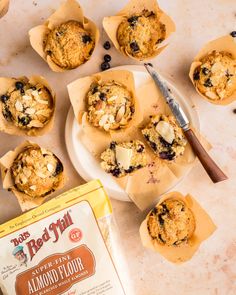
<point x="121" y="159"/>
<point x="165" y="137"/>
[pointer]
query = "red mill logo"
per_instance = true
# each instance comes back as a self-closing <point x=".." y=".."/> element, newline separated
<point x="57" y="273"/>
<point x="54" y="231"/>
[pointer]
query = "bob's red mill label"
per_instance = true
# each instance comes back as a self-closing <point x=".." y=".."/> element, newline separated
<point x="62" y="247"/>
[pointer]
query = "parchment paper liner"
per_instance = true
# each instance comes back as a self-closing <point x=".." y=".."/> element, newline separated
<point x="4" y="5"/>
<point x="77" y="93"/>
<point x="144" y="185"/>
<point x="204" y="228"/>
<point x="26" y="202"/>
<point x="225" y="43"/>
<point x="9" y="127"/>
<point x="70" y="10"/>
<point x="111" y="23"/>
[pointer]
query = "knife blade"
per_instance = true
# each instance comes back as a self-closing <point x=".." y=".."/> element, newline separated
<point x="176" y="109"/>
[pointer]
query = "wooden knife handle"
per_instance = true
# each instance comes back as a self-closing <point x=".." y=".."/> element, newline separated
<point x="215" y="173"/>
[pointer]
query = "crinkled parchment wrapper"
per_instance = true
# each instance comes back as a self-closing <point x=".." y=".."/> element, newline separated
<point x="111" y="23"/>
<point x="179" y="254"/>
<point x="77" y="93"/>
<point x="26" y="202"/>
<point x="70" y="10"/>
<point x="4" y="5"/>
<point x="146" y="184"/>
<point x="9" y="127"/>
<point x="225" y="43"/>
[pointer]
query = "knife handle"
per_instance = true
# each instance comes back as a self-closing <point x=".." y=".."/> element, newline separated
<point x="214" y="172"/>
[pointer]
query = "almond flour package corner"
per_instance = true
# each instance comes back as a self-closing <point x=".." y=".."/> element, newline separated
<point x="68" y="245"/>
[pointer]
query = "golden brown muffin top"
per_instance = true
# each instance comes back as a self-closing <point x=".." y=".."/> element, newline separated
<point x="171" y="223"/>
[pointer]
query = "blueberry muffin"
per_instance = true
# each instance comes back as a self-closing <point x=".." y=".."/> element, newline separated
<point x="171" y="223"/>
<point x="110" y="105"/>
<point x="140" y="34"/>
<point x="215" y="78"/>
<point x="36" y="172"/>
<point x="69" y="45"/>
<point x="121" y="159"/>
<point x="165" y="137"/>
<point x="27" y="106"/>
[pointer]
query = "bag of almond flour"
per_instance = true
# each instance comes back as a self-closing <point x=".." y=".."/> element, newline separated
<point x="66" y="246"/>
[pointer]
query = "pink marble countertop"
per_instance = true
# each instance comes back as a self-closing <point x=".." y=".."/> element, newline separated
<point x="212" y="271"/>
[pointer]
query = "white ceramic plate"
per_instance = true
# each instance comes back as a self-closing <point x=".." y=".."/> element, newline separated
<point x="84" y="162"/>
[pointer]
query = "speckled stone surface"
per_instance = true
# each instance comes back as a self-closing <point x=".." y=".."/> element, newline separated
<point x="212" y="271"/>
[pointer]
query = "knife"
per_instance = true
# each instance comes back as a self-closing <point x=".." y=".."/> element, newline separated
<point x="214" y="172"/>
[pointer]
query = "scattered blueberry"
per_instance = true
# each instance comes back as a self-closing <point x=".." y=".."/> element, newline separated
<point x="234" y="111"/>
<point x="233" y="34"/>
<point x="107" y="58"/>
<point x="24" y="121"/>
<point x="4" y="98"/>
<point x="196" y="76"/>
<point x="19" y="85"/>
<point x="86" y="39"/>
<point x="107" y="45"/>
<point x="134" y="46"/>
<point x="105" y="66"/>
<point x="208" y="83"/>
